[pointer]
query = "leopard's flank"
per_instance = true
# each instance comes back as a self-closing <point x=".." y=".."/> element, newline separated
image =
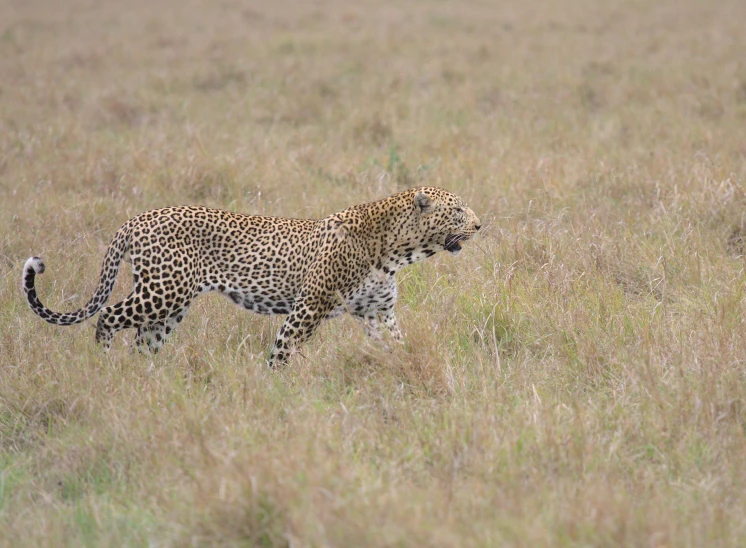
<point x="309" y="269"/>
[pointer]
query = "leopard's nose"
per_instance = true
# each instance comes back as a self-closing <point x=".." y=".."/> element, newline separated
<point x="477" y="227"/>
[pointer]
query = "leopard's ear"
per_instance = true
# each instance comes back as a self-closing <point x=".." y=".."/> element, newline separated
<point x="423" y="203"/>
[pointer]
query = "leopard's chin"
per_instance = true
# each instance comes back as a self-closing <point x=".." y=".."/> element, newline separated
<point x="453" y="243"/>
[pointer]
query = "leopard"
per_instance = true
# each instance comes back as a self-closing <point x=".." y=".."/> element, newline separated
<point x="310" y="270"/>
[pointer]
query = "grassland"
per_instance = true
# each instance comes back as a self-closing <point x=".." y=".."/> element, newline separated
<point x="574" y="378"/>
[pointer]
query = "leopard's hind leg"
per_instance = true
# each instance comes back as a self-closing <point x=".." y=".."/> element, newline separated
<point x="150" y="338"/>
<point x="125" y="314"/>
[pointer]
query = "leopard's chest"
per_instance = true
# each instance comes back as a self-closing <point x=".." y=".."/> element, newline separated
<point x="376" y="292"/>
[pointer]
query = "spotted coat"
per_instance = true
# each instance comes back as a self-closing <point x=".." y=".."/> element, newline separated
<point x="309" y="269"/>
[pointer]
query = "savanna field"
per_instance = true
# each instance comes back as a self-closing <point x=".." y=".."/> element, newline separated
<point x="575" y="377"/>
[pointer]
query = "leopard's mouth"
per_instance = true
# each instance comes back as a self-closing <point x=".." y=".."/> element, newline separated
<point x="453" y="243"/>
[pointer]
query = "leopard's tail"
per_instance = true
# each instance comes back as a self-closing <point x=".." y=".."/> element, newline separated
<point x="114" y="255"/>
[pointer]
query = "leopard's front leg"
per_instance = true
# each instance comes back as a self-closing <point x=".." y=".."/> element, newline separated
<point x="388" y="315"/>
<point x="335" y="270"/>
<point x="389" y="319"/>
<point x="298" y="327"/>
<point x="370" y="325"/>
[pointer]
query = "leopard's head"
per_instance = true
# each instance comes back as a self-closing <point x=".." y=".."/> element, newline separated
<point x="443" y="220"/>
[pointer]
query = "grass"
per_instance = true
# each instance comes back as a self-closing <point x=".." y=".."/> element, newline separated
<point x="575" y="377"/>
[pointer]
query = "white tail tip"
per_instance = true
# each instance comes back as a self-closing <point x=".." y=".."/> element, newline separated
<point x="36" y="264"/>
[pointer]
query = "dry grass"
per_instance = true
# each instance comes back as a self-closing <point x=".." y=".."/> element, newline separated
<point x="574" y="378"/>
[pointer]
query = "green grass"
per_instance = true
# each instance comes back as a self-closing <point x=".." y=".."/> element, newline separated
<point x="573" y="378"/>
